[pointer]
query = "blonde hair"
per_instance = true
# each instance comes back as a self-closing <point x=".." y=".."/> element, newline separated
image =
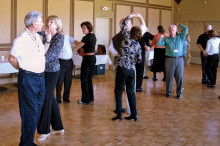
<point x="57" y="21"/>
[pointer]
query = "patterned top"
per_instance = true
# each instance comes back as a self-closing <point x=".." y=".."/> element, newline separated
<point x="52" y="54"/>
<point x="130" y="52"/>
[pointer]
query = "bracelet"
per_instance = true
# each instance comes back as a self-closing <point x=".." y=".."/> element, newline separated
<point x="47" y="42"/>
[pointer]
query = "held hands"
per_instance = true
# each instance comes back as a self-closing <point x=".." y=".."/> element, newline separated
<point x="204" y="53"/>
<point x="135" y="14"/>
<point x="147" y="48"/>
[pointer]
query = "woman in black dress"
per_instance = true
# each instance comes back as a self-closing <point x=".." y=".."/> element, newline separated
<point x="88" y="43"/>
<point x="159" y="54"/>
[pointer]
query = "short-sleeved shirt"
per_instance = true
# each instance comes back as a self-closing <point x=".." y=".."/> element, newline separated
<point x="202" y="40"/>
<point x="29" y="52"/>
<point x="90" y="42"/>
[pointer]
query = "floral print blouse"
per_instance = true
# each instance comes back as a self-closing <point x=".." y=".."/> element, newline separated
<point x="52" y="54"/>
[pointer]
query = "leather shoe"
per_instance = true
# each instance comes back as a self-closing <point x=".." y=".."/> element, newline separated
<point x="132" y="117"/>
<point x="119" y="116"/>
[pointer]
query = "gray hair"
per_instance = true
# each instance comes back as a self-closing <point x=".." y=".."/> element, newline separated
<point x="173" y="26"/>
<point x="31" y="17"/>
<point x="208" y="26"/>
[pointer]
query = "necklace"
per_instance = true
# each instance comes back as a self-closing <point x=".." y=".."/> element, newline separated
<point x="35" y="41"/>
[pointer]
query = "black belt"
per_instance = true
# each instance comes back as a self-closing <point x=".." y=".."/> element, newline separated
<point x="174" y="57"/>
<point x="31" y="73"/>
<point x="63" y="60"/>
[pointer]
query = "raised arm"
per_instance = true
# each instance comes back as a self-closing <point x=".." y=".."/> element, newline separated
<point x="184" y="32"/>
<point x="143" y="26"/>
<point x="125" y="31"/>
<point x="161" y="41"/>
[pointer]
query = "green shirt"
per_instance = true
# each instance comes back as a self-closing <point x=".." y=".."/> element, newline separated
<point x="174" y="46"/>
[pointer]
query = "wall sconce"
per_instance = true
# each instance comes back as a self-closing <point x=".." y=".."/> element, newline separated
<point x="104" y="8"/>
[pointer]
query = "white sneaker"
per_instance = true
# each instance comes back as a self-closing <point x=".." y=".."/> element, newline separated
<point x="43" y="137"/>
<point x="57" y="132"/>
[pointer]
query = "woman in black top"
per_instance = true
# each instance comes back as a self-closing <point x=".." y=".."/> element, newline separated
<point x="88" y="63"/>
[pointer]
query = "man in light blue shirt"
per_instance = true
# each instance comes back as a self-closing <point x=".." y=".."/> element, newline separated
<point x="66" y="69"/>
<point x="174" y="62"/>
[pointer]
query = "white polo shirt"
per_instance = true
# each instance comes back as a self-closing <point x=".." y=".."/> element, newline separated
<point x="29" y="52"/>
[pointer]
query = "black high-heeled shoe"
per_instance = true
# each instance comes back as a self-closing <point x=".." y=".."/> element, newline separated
<point x="132" y="117"/>
<point x="117" y="117"/>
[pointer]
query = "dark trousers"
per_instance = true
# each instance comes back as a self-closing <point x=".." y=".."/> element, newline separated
<point x="87" y="71"/>
<point x="204" y="73"/>
<point x="50" y="113"/>
<point x="31" y="92"/>
<point x="124" y="77"/>
<point x="66" y="71"/>
<point x="174" y="68"/>
<point x="139" y="74"/>
<point x="211" y="68"/>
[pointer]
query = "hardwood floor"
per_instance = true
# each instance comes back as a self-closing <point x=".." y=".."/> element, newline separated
<point x="192" y="120"/>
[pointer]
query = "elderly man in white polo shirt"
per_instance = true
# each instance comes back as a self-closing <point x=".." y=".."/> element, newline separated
<point x="27" y="55"/>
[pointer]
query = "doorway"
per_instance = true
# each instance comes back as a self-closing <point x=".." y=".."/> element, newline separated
<point x="104" y="35"/>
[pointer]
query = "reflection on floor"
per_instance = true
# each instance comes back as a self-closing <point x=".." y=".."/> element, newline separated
<point x="192" y="120"/>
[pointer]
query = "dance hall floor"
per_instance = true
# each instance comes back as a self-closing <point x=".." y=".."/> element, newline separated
<point x="193" y="120"/>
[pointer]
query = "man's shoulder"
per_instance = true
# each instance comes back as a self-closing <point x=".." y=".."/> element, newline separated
<point x="21" y="37"/>
<point x="203" y="35"/>
<point x="118" y="35"/>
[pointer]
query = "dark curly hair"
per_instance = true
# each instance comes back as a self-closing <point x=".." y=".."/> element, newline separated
<point x="88" y="25"/>
<point x="135" y="33"/>
<point x="160" y="29"/>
